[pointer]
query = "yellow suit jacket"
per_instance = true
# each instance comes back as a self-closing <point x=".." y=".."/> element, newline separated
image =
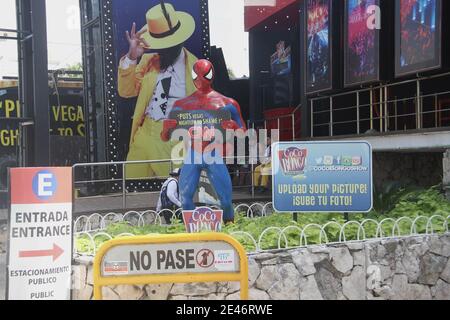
<point x="140" y="81"/>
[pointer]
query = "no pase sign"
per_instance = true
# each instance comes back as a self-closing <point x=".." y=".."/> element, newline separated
<point x="178" y="258"/>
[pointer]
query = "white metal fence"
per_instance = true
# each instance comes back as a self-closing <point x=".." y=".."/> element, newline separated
<point x="94" y="226"/>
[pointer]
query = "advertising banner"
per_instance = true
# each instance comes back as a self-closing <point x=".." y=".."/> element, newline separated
<point x="40" y="234"/>
<point x="67" y="117"/>
<point x="67" y="128"/>
<point x="362" y="43"/>
<point x="9" y="132"/>
<point x="322" y="177"/>
<point x="318" y="46"/>
<point x="418" y="36"/>
<point x="155" y="44"/>
<point x="281" y="61"/>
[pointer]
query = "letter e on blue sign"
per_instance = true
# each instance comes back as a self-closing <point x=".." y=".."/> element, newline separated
<point x="44" y="185"/>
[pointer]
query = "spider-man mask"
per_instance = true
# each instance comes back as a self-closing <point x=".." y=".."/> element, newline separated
<point x="203" y="75"/>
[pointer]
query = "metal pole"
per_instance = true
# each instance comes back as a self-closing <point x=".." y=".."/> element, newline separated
<point x="171" y="167"/>
<point x="74" y="195"/>
<point x="293" y="126"/>
<point x="278" y="124"/>
<point x="39" y="58"/>
<point x="358" y="115"/>
<point x="436" y="118"/>
<point x="253" y="179"/>
<point x="331" y="116"/>
<point x="381" y="102"/>
<point x="418" y="107"/>
<point x="124" y="187"/>
<point x="20" y="147"/>
<point x="371" y="109"/>
<point x="396" y="113"/>
<point x="312" y="118"/>
<point x="386" y="110"/>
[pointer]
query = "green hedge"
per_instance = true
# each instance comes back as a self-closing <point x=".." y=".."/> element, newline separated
<point x="404" y="203"/>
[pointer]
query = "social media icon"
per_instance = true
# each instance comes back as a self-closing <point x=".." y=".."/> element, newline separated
<point x="328" y="160"/>
<point x="347" y="161"/>
<point x="356" y="161"/>
<point x="337" y="161"/>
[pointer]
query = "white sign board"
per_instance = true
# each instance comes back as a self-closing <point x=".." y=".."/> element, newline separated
<point x="170" y="258"/>
<point x="40" y="234"/>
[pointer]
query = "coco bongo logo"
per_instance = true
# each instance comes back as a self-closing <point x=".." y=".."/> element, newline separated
<point x="203" y="219"/>
<point x="293" y="161"/>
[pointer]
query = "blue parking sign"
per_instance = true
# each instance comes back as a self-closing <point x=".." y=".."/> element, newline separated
<point x="322" y="177"/>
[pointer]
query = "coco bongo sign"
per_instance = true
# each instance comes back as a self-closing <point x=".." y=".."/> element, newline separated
<point x="203" y="219"/>
<point x="293" y="160"/>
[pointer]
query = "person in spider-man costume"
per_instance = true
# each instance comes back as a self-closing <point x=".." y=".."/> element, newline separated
<point x="205" y="98"/>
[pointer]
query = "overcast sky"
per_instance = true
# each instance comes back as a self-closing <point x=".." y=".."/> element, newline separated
<point x="64" y="39"/>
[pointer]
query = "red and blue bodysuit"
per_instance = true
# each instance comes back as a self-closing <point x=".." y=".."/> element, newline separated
<point x="205" y="98"/>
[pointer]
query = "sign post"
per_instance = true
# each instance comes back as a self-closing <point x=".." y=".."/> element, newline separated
<point x="322" y="177"/>
<point x="40" y="234"/>
<point x="178" y="258"/>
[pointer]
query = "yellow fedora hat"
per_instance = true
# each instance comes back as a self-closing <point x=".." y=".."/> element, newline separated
<point x="167" y="28"/>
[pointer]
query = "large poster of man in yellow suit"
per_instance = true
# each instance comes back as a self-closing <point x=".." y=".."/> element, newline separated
<point x="156" y="71"/>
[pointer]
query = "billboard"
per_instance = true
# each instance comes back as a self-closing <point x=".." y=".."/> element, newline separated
<point x="67" y="127"/>
<point x="281" y="60"/>
<point x="362" y="44"/>
<point x="318" y="45"/>
<point x="155" y="44"/>
<point x="418" y="36"/>
<point x="322" y="177"/>
<point x="9" y="132"/>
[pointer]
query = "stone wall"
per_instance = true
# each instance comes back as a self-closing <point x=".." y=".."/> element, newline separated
<point x="419" y="169"/>
<point x="405" y="269"/>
